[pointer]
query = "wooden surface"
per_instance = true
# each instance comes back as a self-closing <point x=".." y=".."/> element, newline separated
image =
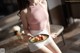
<point x="13" y="44"/>
<point x="9" y="21"/>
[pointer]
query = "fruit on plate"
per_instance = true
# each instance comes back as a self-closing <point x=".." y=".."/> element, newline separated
<point x="38" y="38"/>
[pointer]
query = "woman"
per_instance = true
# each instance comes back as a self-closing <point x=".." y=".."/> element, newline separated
<point x="35" y="20"/>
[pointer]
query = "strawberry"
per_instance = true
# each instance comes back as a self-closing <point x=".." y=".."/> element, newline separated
<point x="43" y="37"/>
<point x="40" y="37"/>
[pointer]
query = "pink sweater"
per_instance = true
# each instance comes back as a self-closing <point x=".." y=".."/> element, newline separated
<point x="37" y="18"/>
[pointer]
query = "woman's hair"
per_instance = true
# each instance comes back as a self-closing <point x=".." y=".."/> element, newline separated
<point x="22" y="4"/>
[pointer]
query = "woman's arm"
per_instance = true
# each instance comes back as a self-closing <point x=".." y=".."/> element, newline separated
<point x="24" y="22"/>
<point x="44" y="3"/>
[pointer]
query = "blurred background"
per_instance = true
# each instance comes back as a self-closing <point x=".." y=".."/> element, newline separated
<point x="7" y="7"/>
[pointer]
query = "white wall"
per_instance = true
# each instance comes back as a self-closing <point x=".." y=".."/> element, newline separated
<point x="53" y="3"/>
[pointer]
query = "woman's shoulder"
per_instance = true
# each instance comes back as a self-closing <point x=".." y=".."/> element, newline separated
<point x="43" y="3"/>
<point x="24" y="11"/>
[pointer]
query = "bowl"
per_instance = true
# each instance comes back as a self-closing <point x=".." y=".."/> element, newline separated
<point x="37" y="38"/>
